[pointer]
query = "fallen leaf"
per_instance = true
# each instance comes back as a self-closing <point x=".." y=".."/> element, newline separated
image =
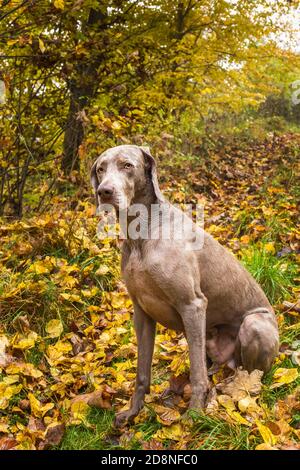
<point x="265" y="446"/>
<point x="4" y="427"/>
<point x="25" y="341"/>
<point x="24" y="368"/>
<point x="266" y="433"/>
<point x="296" y="358"/>
<point x="79" y="412"/>
<point x="166" y="416"/>
<point x="249" y="405"/>
<point x="102" y="270"/>
<point x="37" y="408"/>
<point x="284" y="376"/>
<point x="270" y="247"/>
<point x="187" y="392"/>
<point x="98" y="398"/>
<point x="54" y="328"/>
<point x="53" y="435"/>
<point x="7" y="443"/>
<point x="227" y="402"/>
<point x="152" y="444"/>
<point x="236" y="416"/>
<point x="290" y="447"/>
<point x="4" y="343"/>
<point x="173" y="432"/>
<point x="177" y="383"/>
<point x="242" y="384"/>
<point x="59" y="4"/>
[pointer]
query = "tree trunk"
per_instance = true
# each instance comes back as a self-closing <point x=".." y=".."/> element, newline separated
<point x="83" y="87"/>
<point x="74" y="131"/>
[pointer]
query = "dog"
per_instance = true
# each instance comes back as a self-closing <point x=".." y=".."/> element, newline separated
<point x="204" y="292"/>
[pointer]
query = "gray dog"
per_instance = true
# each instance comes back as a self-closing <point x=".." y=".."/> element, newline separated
<point x="204" y="292"/>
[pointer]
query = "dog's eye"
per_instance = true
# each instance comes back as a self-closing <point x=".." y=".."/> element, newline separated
<point x="128" y="166"/>
<point x="100" y="169"/>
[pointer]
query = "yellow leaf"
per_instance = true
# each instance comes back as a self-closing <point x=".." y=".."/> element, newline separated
<point x="42" y="45"/>
<point x="24" y="368"/>
<point x="119" y="377"/>
<point x="266" y="433"/>
<point x="59" y="4"/>
<point x="265" y="446"/>
<point x="25" y="442"/>
<point x="116" y="125"/>
<point x="79" y="411"/>
<point x="249" y="405"/>
<point x="41" y="266"/>
<point x="12" y="390"/>
<point x="238" y="418"/>
<point x="54" y="328"/>
<point x="68" y="281"/>
<point x="11" y="42"/>
<point x="7" y="392"/>
<point x="173" y="432"/>
<point x="117" y="300"/>
<point x="102" y="270"/>
<point x="260" y="228"/>
<point x="284" y="376"/>
<point x="11" y="379"/>
<point x="270" y="248"/>
<point x="124" y="365"/>
<point x="25" y="342"/>
<point x="90" y="292"/>
<point x="245" y="239"/>
<point x="55" y="353"/>
<point x="71" y="297"/>
<point x="227" y="402"/>
<point x="4" y="402"/>
<point x="37" y="408"/>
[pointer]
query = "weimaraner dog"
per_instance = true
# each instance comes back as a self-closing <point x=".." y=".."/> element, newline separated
<point x="205" y="292"/>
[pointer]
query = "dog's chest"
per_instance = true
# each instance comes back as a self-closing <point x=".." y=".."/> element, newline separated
<point x="146" y="292"/>
<point x="135" y="274"/>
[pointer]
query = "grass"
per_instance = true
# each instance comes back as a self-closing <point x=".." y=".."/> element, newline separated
<point x="275" y="275"/>
<point x="271" y="395"/>
<point x="97" y="435"/>
<point x="213" y="433"/>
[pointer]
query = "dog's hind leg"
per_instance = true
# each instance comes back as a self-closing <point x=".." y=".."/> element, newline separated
<point x="257" y="341"/>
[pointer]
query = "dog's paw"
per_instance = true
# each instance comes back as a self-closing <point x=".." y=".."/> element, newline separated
<point x="197" y="403"/>
<point x="123" y="418"/>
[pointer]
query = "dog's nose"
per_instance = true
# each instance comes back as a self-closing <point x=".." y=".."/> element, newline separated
<point x="105" y="191"/>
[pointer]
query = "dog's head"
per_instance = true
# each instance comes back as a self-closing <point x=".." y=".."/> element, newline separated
<point x="123" y="175"/>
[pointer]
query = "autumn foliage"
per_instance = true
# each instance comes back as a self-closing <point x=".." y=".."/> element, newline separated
<point x="207" y="86"/>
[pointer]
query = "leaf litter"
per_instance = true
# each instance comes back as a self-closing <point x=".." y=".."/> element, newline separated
<point x="83" y="353"/>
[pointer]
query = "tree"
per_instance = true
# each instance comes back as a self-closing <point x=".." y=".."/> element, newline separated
<point x="112" y="69"/>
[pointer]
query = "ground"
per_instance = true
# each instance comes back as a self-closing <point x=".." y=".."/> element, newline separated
<point x="67" y="346"/>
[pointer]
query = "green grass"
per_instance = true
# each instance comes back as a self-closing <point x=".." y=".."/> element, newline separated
<point x="212" y="433"/>
<point x="97" y="436"/>
<point x="271" y="395"/>
<point x="275" y="275"/>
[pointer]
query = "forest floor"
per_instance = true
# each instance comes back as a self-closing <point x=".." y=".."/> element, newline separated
<point x="67" y="345"/>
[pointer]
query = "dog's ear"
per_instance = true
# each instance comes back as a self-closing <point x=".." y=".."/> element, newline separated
<point x="95" y="182"/>
<point x="151" y="166"/>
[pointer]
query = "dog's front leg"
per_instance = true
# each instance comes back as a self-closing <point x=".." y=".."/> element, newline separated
<point x="145" y="332"/>
<point x="194" y="321"/>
